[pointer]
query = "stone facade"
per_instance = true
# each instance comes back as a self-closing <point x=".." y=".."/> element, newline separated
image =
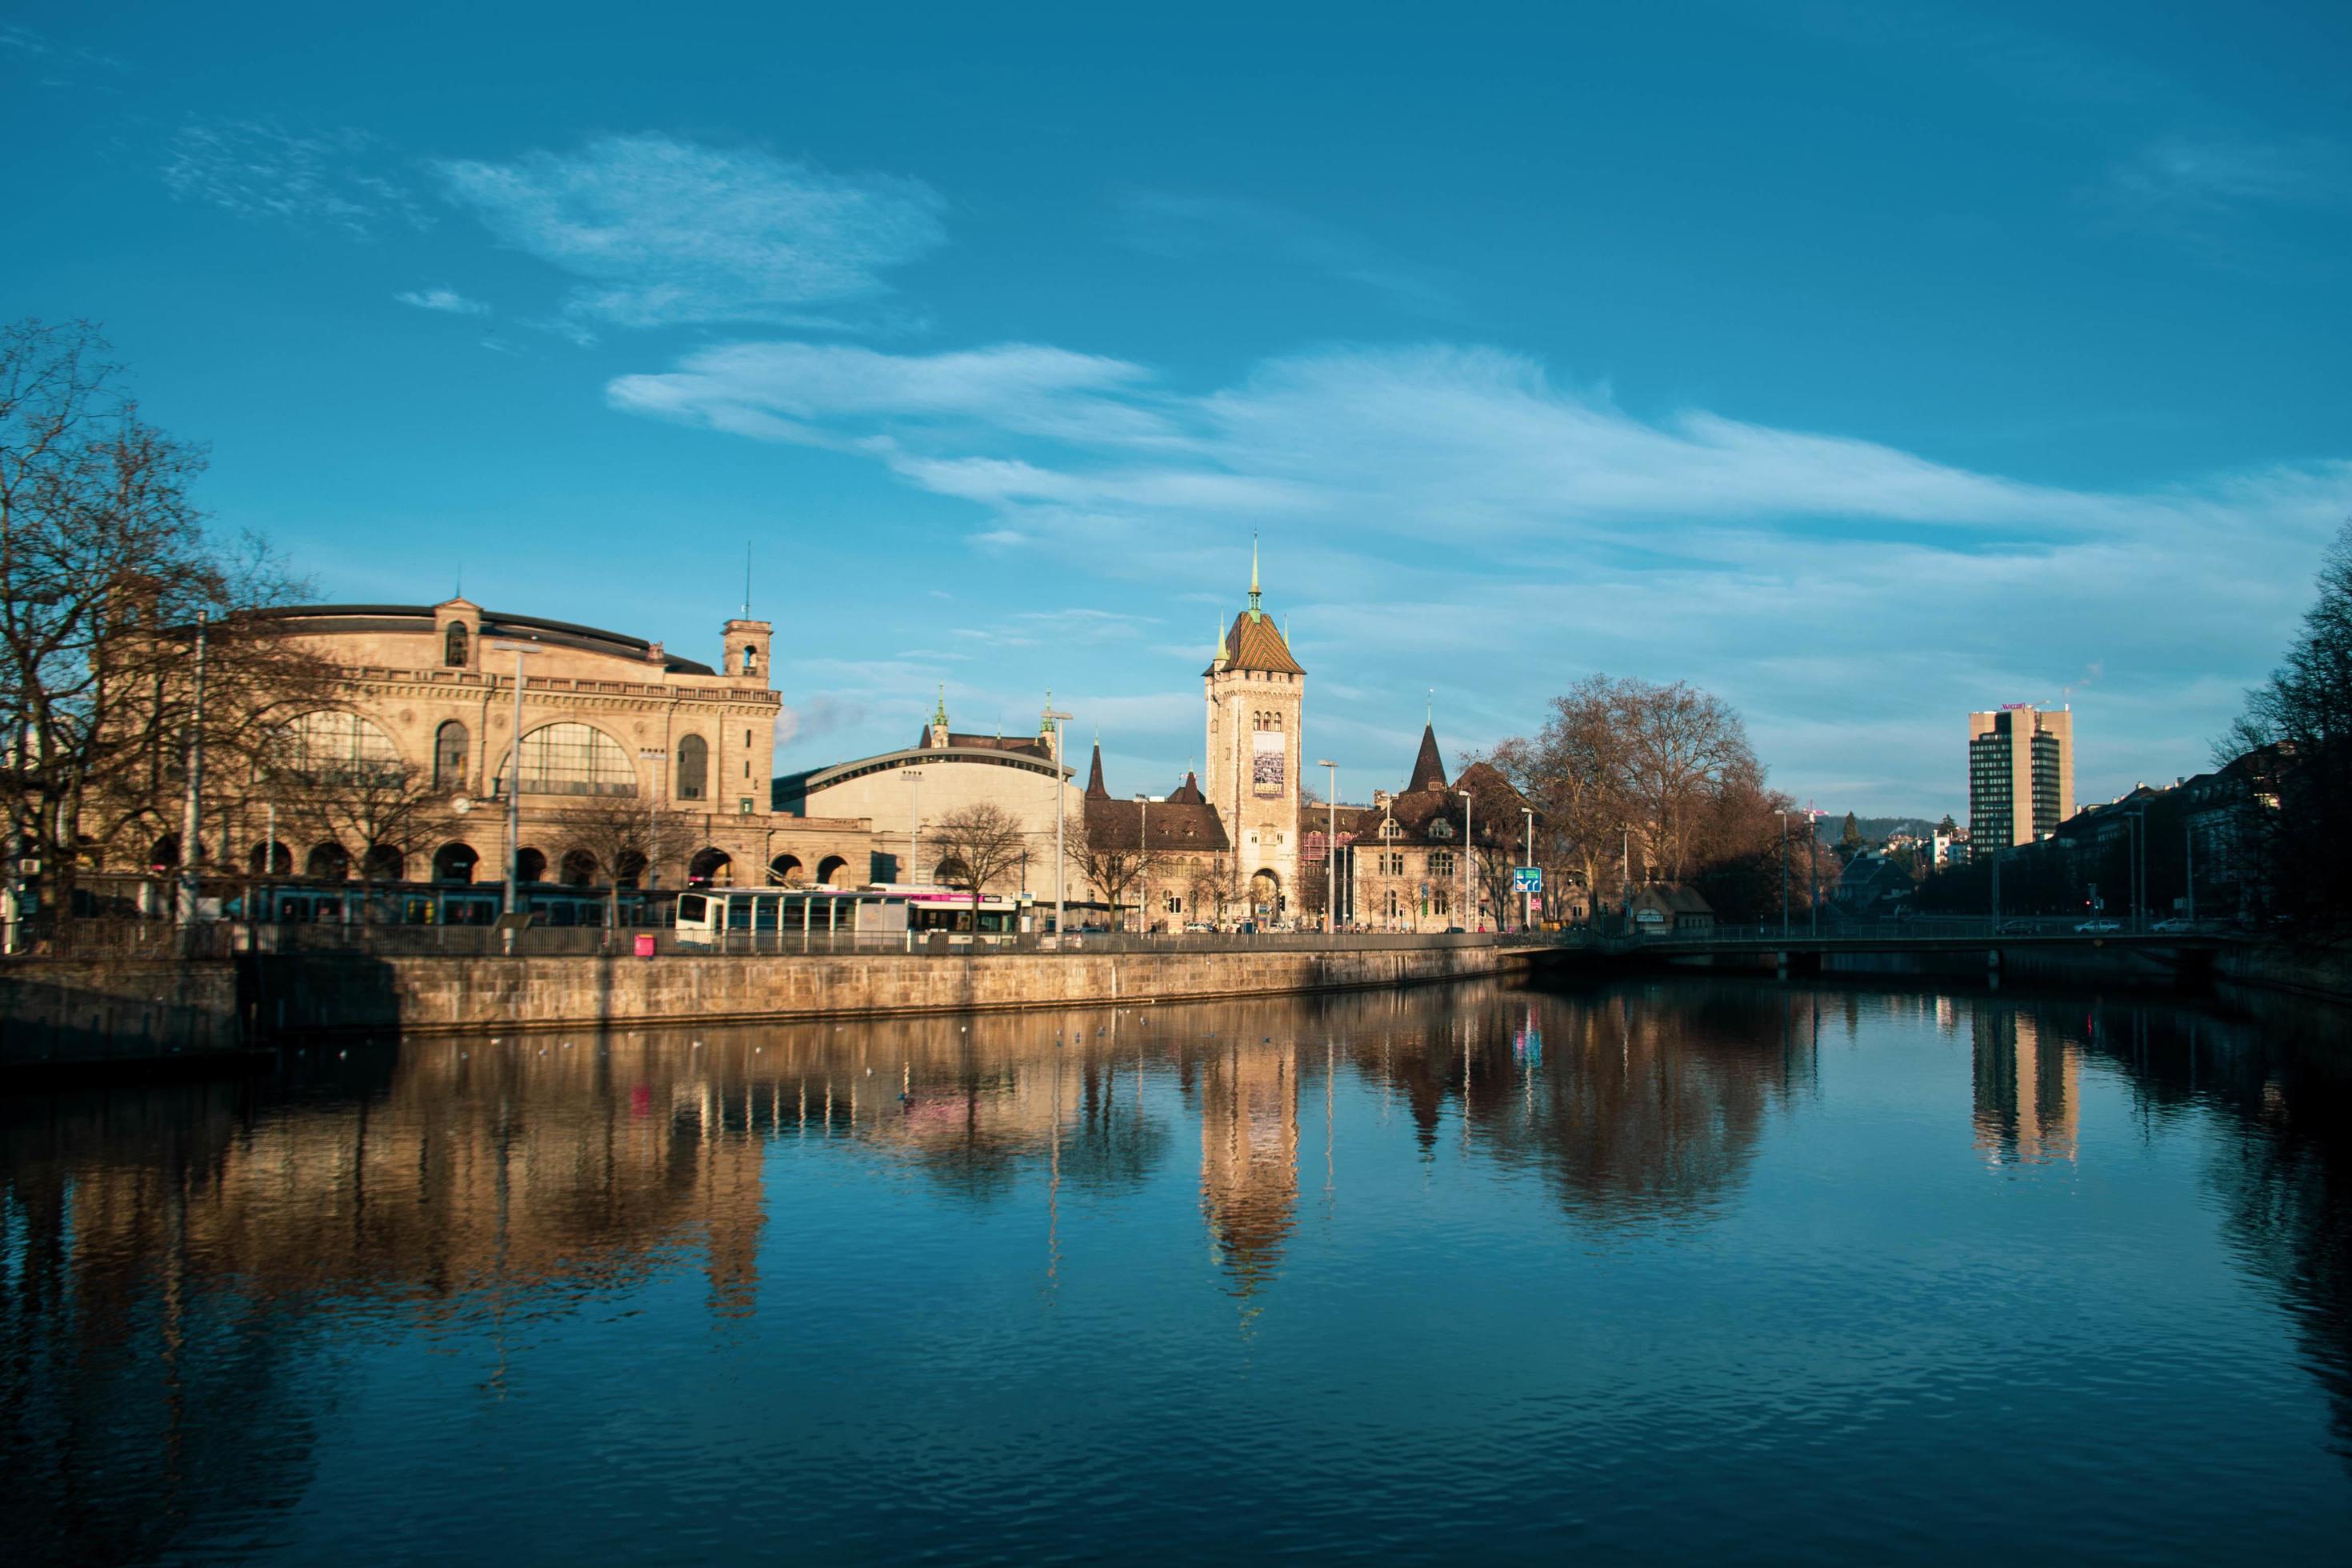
<point x="1255" y="692"/>
<point x="428" y="694"/>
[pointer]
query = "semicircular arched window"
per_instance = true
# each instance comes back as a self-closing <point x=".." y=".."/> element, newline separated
<point x="574" y="759"/>
<point x="330" y="746"/>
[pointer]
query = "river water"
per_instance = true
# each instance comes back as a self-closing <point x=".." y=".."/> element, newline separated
<point x="1725" y="1270"/>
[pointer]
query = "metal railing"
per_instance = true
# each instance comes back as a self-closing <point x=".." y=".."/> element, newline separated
<point x="97" y="939"/>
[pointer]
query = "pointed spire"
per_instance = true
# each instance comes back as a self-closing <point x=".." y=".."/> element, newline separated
<point x="1223" y="654"/>
<point x="1095" y="787"/>
<point x="940" y="714"/>
<point x="1255" y="613"/>
<point x="1428" y="767"/>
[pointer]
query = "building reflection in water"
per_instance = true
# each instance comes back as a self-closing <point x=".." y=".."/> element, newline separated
<point x="1249" y="1155"/>
<point x="173" y="1261"/>
<point x="2028" y="1088"/>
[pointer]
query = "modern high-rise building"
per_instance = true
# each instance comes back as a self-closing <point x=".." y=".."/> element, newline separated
<point x="2021" y="775"/>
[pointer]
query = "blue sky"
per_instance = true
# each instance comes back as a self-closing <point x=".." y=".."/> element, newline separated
<point x="1862" y="364"/>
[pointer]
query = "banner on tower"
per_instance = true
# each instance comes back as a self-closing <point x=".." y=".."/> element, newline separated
<point x="1267" y="757"/>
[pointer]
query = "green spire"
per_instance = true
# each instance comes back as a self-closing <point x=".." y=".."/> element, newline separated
<point x="940" y="714"/>
<point x="1255" y="613"/>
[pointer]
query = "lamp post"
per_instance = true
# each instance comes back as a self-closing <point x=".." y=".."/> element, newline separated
<point x="1784" y="874"/>
<point x="192" y="816"/>
<point x="1061" y="798"/>
<point x="1466" y="857"/>
<point x="1330" y="847"/>
<point x="1625" y="871"/>
<point x="1142" y="857"/>
<point x="913" y="777"/>
<point x="1526" y="895"/>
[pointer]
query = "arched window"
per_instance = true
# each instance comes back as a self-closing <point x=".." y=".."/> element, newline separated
<point x="270" y="860"/>
<point x="449" y="752"/>
<point x="831" y="871"/>
<point x="693" y="767"/>
<point x="328" y="862"/>
<point x="711" y="867"/>
<point x="453" y="645"/>
<point x="455" y="863"/>
<point x="631" y="872"/>
<point x="751" y="660"/>
<point x="530" y="865"/>
<point x="382" y="863"/>
<point x="574" y="759"/>
<point x="332" y="747"/>
<point x="578" y="868"/>
<point x="784" y="871"/>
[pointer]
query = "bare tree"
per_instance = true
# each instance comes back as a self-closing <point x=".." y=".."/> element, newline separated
<point x="1112" y="853"/>
<point x="623" y="837"/>
<point x="2290" y="757"/>
<point x="105" y="569"/>
<point x="390" y="809"/>
<point x="980" y="843"/>
<point x="1206" y="882"/>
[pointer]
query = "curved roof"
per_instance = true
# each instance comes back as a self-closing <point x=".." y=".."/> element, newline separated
<point x="989" y="756"/>
<point x="494" y="623"/>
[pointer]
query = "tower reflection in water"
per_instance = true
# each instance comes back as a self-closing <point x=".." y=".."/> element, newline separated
<point x="178" y="1262"/>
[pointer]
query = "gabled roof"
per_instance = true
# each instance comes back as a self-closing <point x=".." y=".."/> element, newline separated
<point x="1428" y="767"/>
<point x="1167" y="826"/>
<point x="1189" y="792"/>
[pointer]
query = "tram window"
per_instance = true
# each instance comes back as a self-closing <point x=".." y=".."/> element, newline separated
<point x="692" y="907"/>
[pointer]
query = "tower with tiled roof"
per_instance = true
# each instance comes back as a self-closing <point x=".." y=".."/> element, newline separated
<point x="1254" y="689"/>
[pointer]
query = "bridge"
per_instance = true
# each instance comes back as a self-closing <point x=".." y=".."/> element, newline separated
<point x="2176" y="945"/>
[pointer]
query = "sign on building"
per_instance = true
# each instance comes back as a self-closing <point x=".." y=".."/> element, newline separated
<point x="1267" y="760"/>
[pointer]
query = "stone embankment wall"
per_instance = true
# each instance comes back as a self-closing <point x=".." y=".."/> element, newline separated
<point x="339" y="993"/>
<point x="108" y="1010"/>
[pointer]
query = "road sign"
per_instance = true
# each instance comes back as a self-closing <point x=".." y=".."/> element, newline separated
<point x="1527" y="879"/>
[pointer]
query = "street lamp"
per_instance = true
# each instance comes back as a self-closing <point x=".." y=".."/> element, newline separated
<point x="1784" y="873"/>
<point x="1466" y="857"/>
<point x="913" y="777"/>
<point x="514" y="784"/>
<point x="1061" y="798"/>
<point x="1527" y="894"/>
<point x="1142" y="858"/>
<point x="1330" y="847"/>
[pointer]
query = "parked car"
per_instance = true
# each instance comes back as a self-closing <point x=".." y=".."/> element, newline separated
<point x="2017" y="928"/>
<point x="2092" y="926"/>
<point x="2176" y="923"/>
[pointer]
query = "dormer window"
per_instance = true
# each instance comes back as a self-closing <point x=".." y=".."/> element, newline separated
<point x="1440" y="829"/>
<point x="453" y="645"/>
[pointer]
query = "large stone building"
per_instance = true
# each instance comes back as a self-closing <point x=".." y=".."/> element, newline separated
<point x="1221" y="847"/>
<point x="425" y="703"/>
<point x="907" y="792"/>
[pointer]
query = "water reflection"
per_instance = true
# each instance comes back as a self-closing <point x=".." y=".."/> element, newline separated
<point x="184" y="1269"/>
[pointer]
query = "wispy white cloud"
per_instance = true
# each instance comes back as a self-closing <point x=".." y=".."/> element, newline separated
<point x="664" y="230"/>
<point x="340" y="180"/>
<point x="58" y="61"/>
<point x="446" y="300"/>
<point x="1426" y="503"/>
<point x="1186" y="228"/>
<point x="2216" y="174"/>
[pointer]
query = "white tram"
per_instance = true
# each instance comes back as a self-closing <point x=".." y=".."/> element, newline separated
<point x="757" y="917"/>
